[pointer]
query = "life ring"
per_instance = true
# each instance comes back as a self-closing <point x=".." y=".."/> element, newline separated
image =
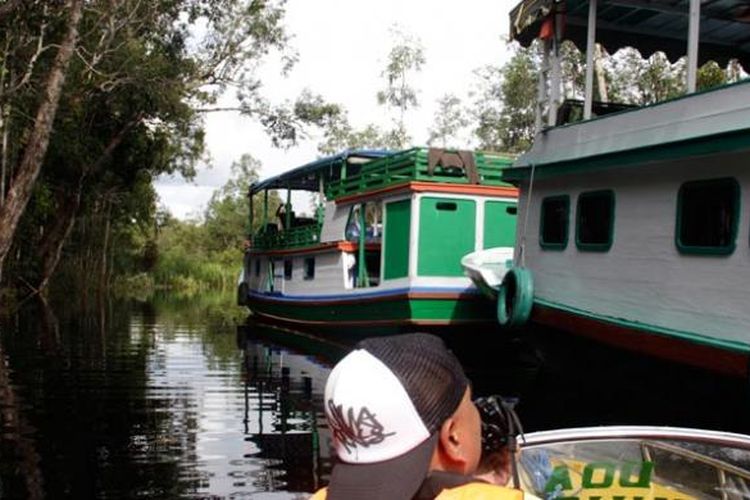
<point x="515" y="297"/>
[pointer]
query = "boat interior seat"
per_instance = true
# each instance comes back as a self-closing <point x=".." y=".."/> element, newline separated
<point x="270" y="228"/>
<point x="303" y="221"/>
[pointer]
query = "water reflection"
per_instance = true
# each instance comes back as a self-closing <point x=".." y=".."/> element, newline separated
<point x="170" y="399"/>
<point x="155" y="401"/>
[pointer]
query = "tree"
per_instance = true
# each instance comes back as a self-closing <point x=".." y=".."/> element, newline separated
<point x="404" y="58"/>
<point x="503" y="107"/>
<point x="450" y="119"/>
<point x="28" y="169"/>
<point x="138" y="83"/>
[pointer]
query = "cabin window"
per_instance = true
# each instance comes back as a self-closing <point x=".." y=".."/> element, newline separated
<point x="257" y="267"/>
<point x="499" y="224"/>
<point x="288" y="265"/>
<point x="373" y="222"/>
<point x="553" y="225"/>
<point x="595" y="221"/>
<point x="309" y="268"/>
<point x="707" y="216"/>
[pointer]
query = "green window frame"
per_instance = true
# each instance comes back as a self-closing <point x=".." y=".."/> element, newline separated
<point x="589" y="212"/>
<point x="693" y="228"/>
<point x="564" y="200"/>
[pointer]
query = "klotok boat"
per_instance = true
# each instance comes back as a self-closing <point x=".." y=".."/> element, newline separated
<point x="634" y="222"/>
<point x="384" y="246"/>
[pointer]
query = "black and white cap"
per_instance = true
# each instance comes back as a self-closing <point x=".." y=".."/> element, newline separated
<point x="385" y="403"/>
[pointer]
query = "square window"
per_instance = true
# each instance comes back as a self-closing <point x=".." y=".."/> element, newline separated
<point x="595" y="221"/>
<point x="309" y="268"/>
<point x="707" y="216"/>
<point x="288" y="269"/>
<point x="553" y="228"/>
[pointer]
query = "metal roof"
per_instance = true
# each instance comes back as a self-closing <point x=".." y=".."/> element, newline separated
<point x="306" y="177"/>
<point x="647" y="25"/>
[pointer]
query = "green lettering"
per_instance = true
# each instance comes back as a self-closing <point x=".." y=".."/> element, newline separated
<point x="559" y="480"/>
<point x="588" y="475"/>
<point x="644" y="476"/>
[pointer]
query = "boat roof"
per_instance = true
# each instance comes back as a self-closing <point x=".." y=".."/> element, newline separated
<point x="306" y="177"/>
<point x="646" y="25"/>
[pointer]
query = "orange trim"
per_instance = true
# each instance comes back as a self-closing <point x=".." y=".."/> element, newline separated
<point x="344" y="246"/>
<point x="381" y="322"/>
<point x="706" y="357"/>
<point x="421" y="187"/>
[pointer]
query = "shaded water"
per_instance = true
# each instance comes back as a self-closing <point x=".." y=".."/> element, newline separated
<point x="170" y="399"/>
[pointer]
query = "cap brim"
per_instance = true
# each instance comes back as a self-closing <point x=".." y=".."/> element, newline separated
<point x="394" y="479"/>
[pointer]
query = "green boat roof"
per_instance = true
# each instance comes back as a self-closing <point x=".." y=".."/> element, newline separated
<point x="646" y="25"/>
<point x="307" y="176"/>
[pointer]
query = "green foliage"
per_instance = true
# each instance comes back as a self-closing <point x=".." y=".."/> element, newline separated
<point x="194" y="256"/>
<point x="135" y="94"/>
<point x="503" y="107"/>
<point x="450" y="119"/>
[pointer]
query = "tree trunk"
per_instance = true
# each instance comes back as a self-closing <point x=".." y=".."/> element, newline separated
<point x="69" y="203"/>
<point x="105" y="248"/>
<point x="599" y="68"/>
<point x="50" y="249"/>
<point x="31" y="163"/>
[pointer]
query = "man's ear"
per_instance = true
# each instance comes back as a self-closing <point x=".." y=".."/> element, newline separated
<point x="450" y="443"/>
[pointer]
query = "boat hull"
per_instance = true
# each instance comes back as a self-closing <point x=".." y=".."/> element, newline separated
<point x="391" y="311"/>
<point x="681" y="347"/>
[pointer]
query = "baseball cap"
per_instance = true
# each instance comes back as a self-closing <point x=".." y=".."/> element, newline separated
<point x="385" y="403"/>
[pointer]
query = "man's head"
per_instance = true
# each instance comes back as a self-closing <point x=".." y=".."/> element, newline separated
<point x="399" y="407"/>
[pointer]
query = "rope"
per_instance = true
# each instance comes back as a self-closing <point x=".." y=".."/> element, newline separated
<point x="522" y="257"/>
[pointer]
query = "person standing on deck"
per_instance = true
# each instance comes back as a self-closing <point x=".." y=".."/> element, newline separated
<point x="404" y="425"/>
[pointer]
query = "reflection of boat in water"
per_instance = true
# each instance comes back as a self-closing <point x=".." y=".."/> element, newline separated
<point x="383" y="250"/>
<point x="284" y="423"/>
<point x="635" y="462"/>
<point x="637" y="229"/>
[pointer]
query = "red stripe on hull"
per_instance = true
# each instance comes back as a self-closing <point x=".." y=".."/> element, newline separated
<point x="671" y="348"/>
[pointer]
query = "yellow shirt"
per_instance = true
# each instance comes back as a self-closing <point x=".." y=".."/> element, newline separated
<point x="470" y="491"/>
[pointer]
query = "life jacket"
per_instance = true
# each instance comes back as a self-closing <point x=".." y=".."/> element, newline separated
<point x="447" y="486"/>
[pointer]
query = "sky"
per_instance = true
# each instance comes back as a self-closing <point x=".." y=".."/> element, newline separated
<point x="342" y="47"/>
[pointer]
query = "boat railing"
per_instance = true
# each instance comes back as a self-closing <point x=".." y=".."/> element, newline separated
<point x="413" y="165"/>
<point x="290" y="238"/>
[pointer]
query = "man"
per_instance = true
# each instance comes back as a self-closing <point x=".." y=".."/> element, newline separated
<point x="404" y="425"/>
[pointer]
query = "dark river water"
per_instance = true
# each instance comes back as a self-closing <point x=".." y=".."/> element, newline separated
<point x="180" y="398"/>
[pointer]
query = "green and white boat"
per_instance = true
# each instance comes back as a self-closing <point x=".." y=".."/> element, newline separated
<point x="637" y="220"/>
<point x="422" y="210"/>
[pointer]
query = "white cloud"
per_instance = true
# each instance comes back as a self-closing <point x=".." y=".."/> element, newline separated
<point x="343" y="45"/>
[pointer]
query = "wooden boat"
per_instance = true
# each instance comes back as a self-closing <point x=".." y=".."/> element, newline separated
<point x="636" y="229"/>
<point x="421" y="209"/>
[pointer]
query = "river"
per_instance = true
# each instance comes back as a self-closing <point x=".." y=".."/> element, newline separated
<point x="187" y="398"/>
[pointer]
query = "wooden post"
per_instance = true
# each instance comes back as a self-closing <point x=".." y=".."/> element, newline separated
<point x="590" y="49"/>
<point x="265" y="209"/>
<point x="288" y="211"/>
<point x="251" y="212"/>
<point x="692" y="52"/>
